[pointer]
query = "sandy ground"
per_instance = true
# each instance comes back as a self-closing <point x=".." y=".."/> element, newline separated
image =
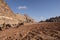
<point x="38" y="31"/>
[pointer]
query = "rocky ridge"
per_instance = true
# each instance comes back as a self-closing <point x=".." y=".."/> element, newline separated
<point x="6" y="14"/>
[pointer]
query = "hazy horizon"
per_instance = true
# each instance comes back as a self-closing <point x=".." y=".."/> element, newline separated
<point x="37" y="9"/>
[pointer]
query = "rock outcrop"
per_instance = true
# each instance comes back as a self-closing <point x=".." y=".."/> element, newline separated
<point x="5" y="10"/>
<point x="7" y="16"/>
<point x="54" y="19"/>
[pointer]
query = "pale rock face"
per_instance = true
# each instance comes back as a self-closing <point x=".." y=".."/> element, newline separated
<point x="6" y="14"/>
<point x="5" y="10"/>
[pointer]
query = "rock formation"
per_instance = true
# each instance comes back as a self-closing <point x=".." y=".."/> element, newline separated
<point x="5" y="10"/>
<point x="7" y="16"/>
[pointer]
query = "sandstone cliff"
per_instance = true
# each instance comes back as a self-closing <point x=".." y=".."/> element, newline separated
<point x="8" y="16"/>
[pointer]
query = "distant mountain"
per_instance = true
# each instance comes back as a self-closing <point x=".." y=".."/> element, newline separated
<point x="54" y="19"/>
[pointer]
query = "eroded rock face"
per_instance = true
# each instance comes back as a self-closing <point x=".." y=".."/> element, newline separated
<point x="5" y="10"/>
<point x="6" y="14"/>
<point x="9" y="17"/>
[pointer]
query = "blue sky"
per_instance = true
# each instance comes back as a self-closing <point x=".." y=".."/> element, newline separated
<point x="37" y="9"/>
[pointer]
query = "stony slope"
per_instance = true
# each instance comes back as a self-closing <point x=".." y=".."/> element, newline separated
<point x="6" y="14"/>
<point x="5" y="10"/>
<point x="40" y="31"/>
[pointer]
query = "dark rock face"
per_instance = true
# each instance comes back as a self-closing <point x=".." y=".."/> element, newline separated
<point x="54" y="19"/>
